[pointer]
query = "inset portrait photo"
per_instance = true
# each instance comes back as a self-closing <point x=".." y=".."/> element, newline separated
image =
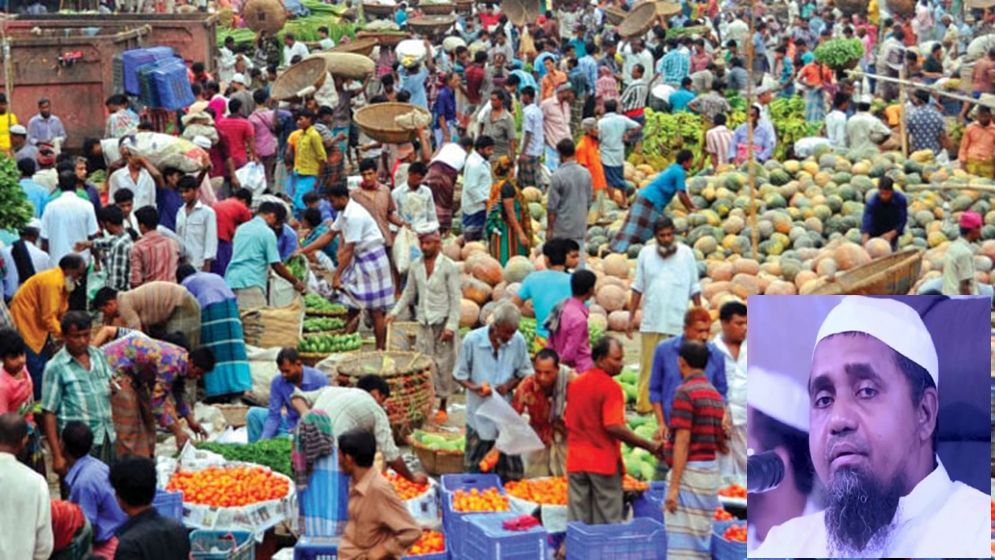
<point x="866" y="432"/>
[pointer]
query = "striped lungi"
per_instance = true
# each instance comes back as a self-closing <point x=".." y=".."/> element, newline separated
<point x="368" y="279"/>
<point x="133" y="421"/>
<point x="324" y="502"/>
<point x="638" y="225"/>
<point x="689" y="529"/>
<point x="815" y="105"/>
<point x="221" y="332"/>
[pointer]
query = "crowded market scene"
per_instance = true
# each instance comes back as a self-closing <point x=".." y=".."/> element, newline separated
<point x="452" y="279"/>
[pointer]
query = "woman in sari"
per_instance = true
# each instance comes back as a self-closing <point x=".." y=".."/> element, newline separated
<point x="508" y="227"/>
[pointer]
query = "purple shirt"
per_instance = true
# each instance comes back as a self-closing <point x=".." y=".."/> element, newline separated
<point x="208" y="288"/>
<point x="264" y="124"/>
<point x="287" y="242"/>
<point x="571" y="340"/>
<point x="280" y="391"/>
<point x="90" y="489"/>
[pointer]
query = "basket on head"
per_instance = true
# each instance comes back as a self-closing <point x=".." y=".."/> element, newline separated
<point x="851" y="7"/>
<point x="306" y="73"/>
<point x="665" y="9"/>
<point x="377" y="9"/>
<point x="519" y="12"/>
<point x="638" y="21"/>
<point x="349" y="65"/>
<point x="431" y="24"/>
<point x="437" y="9"/>
<point x="384" y="38"/>
<point x="267" y="16"/>
<point x="378" y="122"/>
<point x="362" y="46"/>
<point x="614" y="15"/>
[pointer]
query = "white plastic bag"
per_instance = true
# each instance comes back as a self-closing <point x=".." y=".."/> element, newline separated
<point x="515" y="436"/>
<point x="253" y="177"/>
<point x="405" y="249"/>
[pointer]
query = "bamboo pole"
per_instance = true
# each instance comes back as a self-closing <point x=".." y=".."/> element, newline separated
<point x="903" y="134"/>
<point x="751" y="171"/>
<point x="948" y="187"/>
<point x="930" y="88"/>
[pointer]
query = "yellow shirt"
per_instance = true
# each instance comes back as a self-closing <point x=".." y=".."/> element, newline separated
<point x="893" y="114"/>
<point x="6" y="121"/>
<point x="38" y="305"/>
<point x="309" y="152"/>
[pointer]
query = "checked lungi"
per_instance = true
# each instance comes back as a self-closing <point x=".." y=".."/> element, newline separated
<point x="368" y="279"/>
<point x="638" y="225"/>
<point x="528" y="171"/>
<point x="689" y="529"/>
<point x="324" y="500"/>
<point x="186" y="319"/>
<point x="221" y="331"/>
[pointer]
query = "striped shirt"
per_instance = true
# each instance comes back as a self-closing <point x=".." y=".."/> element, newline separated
<point x="153" y="257"/>
<point x="634" y="98"/>
<point x="717" y="141"/>
<point x="675" y="66"/>
<point x="698" y="407"/>
<point x="73" y="393"/>
<point x="115" y="255"/>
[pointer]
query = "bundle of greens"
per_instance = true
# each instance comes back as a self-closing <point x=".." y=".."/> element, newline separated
<point x="840" y="54"/>
<point x="15" y="210"/>
<point x="272" y="453"/>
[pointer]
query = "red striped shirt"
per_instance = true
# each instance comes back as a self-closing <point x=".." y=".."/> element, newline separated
<point x="698" y="407"/>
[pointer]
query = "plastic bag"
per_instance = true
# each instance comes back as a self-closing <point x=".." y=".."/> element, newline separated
<point x="405" y="249"/>
<point x="253" y="177"/>
<point x="515" y="436"/>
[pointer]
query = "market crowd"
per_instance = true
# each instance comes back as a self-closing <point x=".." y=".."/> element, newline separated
<point x="168" y="261"/>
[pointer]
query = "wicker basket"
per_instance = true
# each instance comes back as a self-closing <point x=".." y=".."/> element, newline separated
<point x="377" y="121"/>
<point x="427" y="25"/>
<point x="375" y="9"/>
<point x="264" y="15"/>
<point x="665" y="9"/>
<point x="614" y="15"/>
<point x="349" y="65"/>
<point x="306" y="73"/>
<point x="520" y="12"/>
<point x="437" y="9"/>
<point x="316" y="313"/>
<point x="385" y="38"/>
<point x="234" y="414"/>
<point x="437" y="461"/>
<point x="409" y="374"/>
<point x="464" y="7"/>
<point x="638" y="21"/>
<point x="891" y="275"/>
<point x="362" y="46"/>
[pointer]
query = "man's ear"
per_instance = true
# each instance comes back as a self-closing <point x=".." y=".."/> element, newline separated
<point x="927" y="413"/>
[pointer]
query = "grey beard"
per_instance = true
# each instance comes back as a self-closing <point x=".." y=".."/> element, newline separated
<point x="666" y="251"/>
<point x="860" y="512"/>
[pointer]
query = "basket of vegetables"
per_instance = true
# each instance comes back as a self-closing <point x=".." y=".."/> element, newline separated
<point x="362" y="46"/>
<point x="638" y="21"/>
<point x="432" y="24"/>
<point x="439" y="452"/>
<point x="409" y="375"/>
<point x="317" y="306"/>
<point x="840" y="54"/>
<point x="323" y="325"/>
<point x="386" y="38"/>
<point x="315" y="348"/>
<point x="378" y="9"/>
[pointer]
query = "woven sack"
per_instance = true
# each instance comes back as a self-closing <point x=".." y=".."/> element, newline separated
<point x="274" y="327"/>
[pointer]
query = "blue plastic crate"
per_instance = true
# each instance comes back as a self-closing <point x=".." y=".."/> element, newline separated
<point x="452" y="521"/>
<point x="639" y="539"/>
<point x="132" y="60"/>
<point x="650" y="504"/>
<point x="146" y="90"/>
<point x="236" y="545"/>
<point x="486" y="539"/>
<point x="172" y="88"/>
<point x="308" y="548"/>
<point x="169" y="504"/>
<point x="453" y="482"/>
<point x="454" y="524"/>
<point x="723" y="549"/>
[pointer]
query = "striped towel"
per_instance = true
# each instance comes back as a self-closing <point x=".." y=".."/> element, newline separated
<point x="689" y="529"/>
<point x="314" y="440"/>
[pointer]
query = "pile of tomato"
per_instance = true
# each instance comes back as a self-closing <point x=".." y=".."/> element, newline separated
<point x="633" y="485"/>
<point x="722" y="515"/>
<point x="229" y="486"/>
<point x="477" y="500"/>
<point x="546" y="491"/>
<point x="430" y="542"/>
<point x="736" y="533"/>
<point x="405" y="489"/>
<point x="733" y="491"/>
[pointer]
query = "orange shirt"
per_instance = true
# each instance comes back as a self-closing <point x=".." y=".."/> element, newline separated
<point x="550" y="82"/>
<point x="978" y="143"/>
<point x="814" y="74"/>
<point x="38" y="306"/>
<point x="594" y="402"/>
<point x="589" y="155"/>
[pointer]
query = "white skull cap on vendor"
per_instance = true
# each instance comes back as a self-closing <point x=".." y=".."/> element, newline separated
<point x="780" y="396"/>
<point x="890" y="321"/>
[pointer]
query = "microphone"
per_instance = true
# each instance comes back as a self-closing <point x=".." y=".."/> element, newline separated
<point x="764" y="472"/>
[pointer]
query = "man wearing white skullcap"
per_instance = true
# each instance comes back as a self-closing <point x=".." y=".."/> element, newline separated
<point x="873" y="408"/>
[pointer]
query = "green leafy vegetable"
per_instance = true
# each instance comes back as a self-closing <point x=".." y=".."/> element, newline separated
<point x="840" y="54"/>
<point x="15" y="210"/>
<point x="273" y="453"/>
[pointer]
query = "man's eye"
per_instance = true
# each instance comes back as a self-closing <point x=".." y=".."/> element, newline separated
<point x="867" y="392"/>
<point x="822" y="401"/>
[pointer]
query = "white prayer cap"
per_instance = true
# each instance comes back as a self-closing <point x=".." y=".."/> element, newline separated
<point x="779" y="396"/>
<point x="890" y="321"/>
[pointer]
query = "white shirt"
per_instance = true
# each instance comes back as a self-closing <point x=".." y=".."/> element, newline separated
<point x="939" y="518"/>
<point x="226" y="65"/>
<point x="66" y="221"/>
<point x="735" y="380"/>
<point x="25" y="512"/>
<point x="417" y="207"/>
<point x="630" y="59"/>
<point x="143" y="189"/>
<point x="198" y="229"/>
<point x="326" y="44"/>
<point x="666" y="285"/>
<point x="11" y="281"/>
<point x="298" y="48"/>
<point x="476" y="184"/>
<point x="836" y="128"/>
<point x="358" y="226"/>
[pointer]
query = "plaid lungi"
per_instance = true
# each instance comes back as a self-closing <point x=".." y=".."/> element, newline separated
<point x="323" y="489"/>
<point x="186" y="319"/>
<point x="133" y="421"/>
<point x="509" y="467"/>
<point x="815" y="105"/>
<point x="638" y="225"/>
<point x="689" y="529"/>
<point x="368" y="279"/>
<point x="221" y="331"/>
<point x="528" y="172"/>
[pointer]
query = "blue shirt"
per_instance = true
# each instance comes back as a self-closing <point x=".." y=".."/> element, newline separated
<point x="327" y="211"/>
<point x="253" y="251"/>
<point x="539" y="65"/>
<point x="666" y="376"/>
<point x="401" y="18"/>
<point x="37" y="195"/>
<point x="168" y="202"/>
<point x="545" y="288"/>
<point x="764" y="140"/>
<point x="208" y="288"/>
<point x="675" y="66"/>
<point x="479" y="363"/>
<point x="665" y="186"/>
<point x="679" y="100"/>
<point x="415" y="85"/>
<point x="881" y="217"/>
<point x="444" y="108"/>
<point x="287" y="243"/>
<point x="90" y="489"/>
<point x="280" y="391"/>
<point x="589" y="69"/>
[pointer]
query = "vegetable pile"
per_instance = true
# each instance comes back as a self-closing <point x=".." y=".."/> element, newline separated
<point x="330" y="343"/>
<point x="430" y="542"/>
<point x="735" y="533"/>
<point x="273" y="453"/>
<point x="229" y="486"/>
<point x="547" y="491"/>
<point x="733" y="491"/>
<point x="476" y="500"/>
<point x="15" y="210"/>
<point x="313" y="303"/>
<point x="839" y="54"/>
<point x="405" y="489"/>
<point x="722" y="515"/>
<point x="638" y="462"/>
<point x="304" y="28"/>
<point x="440" y="442"/>
<point x="298" y="267"/>
<point x="320" y="324"/>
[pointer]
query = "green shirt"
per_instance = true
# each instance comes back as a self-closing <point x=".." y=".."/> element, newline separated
<point x="254" y="249"/>
<point x="70" y="392"/>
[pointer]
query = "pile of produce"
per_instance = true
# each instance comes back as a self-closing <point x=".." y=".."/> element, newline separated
<point x="476" y="500"/>
<point x="304" y="28"/>
<point x="405" y="489"/>
<point x="15" y="210"/>
<point x="733" y="491"/>
<point x="735" y="533"/>
<point x="430" y="542"/>
<point x="665" y="134"/>
<point x="631" y="484"/>
<point x="840" y="54"/>
<point x="440" y="442"/>
<point x="317" y="305"/>
<point x="229" y="486"/>
<point x="298" y="267"/>
<point x="640" y="463"/>
<point x="330" y="343"/>
<point x="273" y="453"/>
<point x="595" y="331"/>
<point x="722" y="515"/>
<point x="321" y="324"/>
<point x="628" y="379"/>
<point x="546" y="491"/>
